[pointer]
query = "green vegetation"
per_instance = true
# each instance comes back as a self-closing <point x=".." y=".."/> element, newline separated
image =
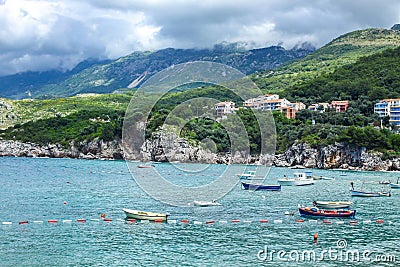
<point x="344" y="50"/>
<point x="361" y="67"/>
<point x="376" y="76"/>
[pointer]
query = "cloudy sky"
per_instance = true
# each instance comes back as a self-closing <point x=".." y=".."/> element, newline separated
<point x="47" y="34"/>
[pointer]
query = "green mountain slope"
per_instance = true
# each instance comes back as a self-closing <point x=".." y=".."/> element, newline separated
<point x="375" y="77"/>
<point x="120" y="73"/>
<point x="343" y="50"/>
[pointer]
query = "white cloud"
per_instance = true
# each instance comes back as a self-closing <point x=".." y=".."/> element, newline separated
<point x="43" y="34"/>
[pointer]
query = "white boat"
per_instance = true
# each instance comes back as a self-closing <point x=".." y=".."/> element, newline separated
<point x="395" y="185"/>
<point x="299" y="179"/>
<point x="355" y="193"/>
<point x="249" y="175"/>
<point x="332" y="204"/>
<point x="145" y="215"/>
<point x="206" y="203"/>
<point x="297" y="167"/>
<point x="327" y="178"/>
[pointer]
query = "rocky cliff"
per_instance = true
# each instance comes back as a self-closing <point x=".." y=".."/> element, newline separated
<point x="168" y="147"/>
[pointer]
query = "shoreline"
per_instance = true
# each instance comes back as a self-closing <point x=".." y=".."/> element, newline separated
<point x="299" y="154"/>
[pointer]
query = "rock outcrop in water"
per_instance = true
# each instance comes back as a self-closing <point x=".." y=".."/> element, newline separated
<point x="169" y="147"/>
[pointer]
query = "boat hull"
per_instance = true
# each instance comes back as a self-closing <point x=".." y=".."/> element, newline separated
<point x="249" y="186"/>
<point x="206" y="203"/>
<point x="355" y="193"/>
<point x="143" y="215"/>
<point x="396" y="186"/>
<point x="314" y="212"/>
<point x="295" y="182"/>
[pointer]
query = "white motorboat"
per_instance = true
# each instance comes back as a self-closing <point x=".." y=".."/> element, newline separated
<point x="145" y="215"/>
<point x="206" y="203"/>
<point x="299" y="179"/>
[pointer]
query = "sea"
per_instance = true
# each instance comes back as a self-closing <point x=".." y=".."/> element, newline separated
<point x="42" y="199"/>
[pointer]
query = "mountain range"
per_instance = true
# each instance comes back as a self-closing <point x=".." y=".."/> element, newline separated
<point x="93" y="76"/>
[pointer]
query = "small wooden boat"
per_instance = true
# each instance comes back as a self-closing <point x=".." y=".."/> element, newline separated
<point x="250" y="186"/>
<point x="144" y="215"/>
<point x="206" y="203"/>
<point x="332" y="204"/>
<point x="299" y="179"/>
<point x="145" y="166"/>
<point x="315" y="212"/>
<point x="395" y="185"/>
<point x="355" y="193"/>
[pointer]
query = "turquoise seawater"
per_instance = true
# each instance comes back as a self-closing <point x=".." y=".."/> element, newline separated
<point x="67" y="189"/>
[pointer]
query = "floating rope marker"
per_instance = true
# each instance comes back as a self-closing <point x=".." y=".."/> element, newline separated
<point x="300" y="220"/>
<point x="81" y="220"/>
<point x="37" y="221"/>
<point x="52" y="221"/>
<point x="223" y="221"/>
<point x="313" y="221"/>
<point x="340" y="222"/>
<point x="159" y="221"/>
<point x="327" y="222"/>
<point x="67" y="221"/>
<point x="380" y="221"/>
<point x="197" y="222"/>
<point x="95" y="220"/>
<point x="185" y="221"/>
<point x="246" y="221"/>
<point x="235" y="221"/>
<point x="210" y="222"/>
<point x="171" y="221"/>
<point x="23" y="222"/>
<point x="367" y="221"/>
<point x="7" y="223"/>
<point x="263" y="221"/>
<point x="277" y="221"/>
<point x="353" y="222"/>
<point x="107" y="220"/>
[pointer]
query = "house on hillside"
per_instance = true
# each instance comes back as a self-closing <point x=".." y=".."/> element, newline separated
<point x="340" y="106"/>
<point x="321" y="107"/>
<point x="225" y="108"/>
<point x="389" y="108"/>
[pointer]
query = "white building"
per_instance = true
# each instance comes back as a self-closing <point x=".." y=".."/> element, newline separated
<point x="224" y="108"/>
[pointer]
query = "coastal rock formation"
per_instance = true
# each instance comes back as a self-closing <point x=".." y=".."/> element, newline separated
<point x="167" y="146"/>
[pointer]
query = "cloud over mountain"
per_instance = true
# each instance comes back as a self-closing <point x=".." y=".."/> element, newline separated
<point x="43" y="34"/>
